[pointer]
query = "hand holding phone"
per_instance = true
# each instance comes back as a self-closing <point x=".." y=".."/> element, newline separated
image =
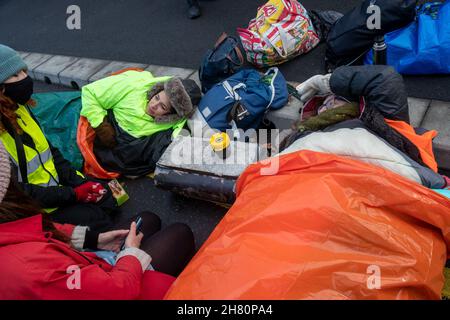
<point x="134" y="240"/>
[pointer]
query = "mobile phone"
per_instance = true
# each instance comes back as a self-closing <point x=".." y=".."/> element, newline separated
<point x="138" y="229"/>
<point x="138" y="224"/>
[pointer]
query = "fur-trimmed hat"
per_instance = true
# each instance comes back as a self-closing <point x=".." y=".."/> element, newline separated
<point x="184" y="96"/>
<point x="5" y="171"/>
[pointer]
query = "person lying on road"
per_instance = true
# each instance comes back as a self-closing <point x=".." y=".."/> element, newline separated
<point x="135" y="116"/>
<point x="362" y="112"/>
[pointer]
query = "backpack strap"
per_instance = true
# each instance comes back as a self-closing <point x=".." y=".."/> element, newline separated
<point x="237" y="112"/>
<point x="232" y="91"/>
<point x="240" y="57"/>
<point x="272" y="87"/>
<point x="221" y="40"/>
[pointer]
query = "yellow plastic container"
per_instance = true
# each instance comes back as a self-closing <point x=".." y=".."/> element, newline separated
<point x="220" y="143"/>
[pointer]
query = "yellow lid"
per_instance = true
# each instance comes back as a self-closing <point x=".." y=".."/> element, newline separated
<point x="219" y="141"/>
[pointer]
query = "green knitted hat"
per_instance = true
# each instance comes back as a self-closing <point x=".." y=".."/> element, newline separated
<point x="10" y="63"/>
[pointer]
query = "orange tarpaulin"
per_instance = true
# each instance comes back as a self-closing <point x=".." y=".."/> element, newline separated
<point x="323" y="227"/>
<point x="85" y="141"/>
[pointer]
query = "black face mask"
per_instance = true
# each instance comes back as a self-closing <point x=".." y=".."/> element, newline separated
<point x="20" y="91"/>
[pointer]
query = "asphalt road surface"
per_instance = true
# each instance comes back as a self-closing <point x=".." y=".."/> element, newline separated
<point x="159" y="32"/>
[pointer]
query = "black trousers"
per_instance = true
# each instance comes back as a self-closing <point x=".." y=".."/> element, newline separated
<point x="171" y="248"/>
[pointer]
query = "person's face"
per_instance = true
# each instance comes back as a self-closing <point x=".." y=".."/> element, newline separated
<point x="17" y="77"/>
<point x="159" y="105"/>
<point x="18" y="87"/>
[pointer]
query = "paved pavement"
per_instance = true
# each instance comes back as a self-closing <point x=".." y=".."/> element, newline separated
<point x="41" y="87"/>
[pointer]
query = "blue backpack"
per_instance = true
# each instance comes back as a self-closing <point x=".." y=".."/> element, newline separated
<point x="242" y="100"/>
<point x="221" y="62"/>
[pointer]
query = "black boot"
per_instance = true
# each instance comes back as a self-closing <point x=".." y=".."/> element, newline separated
<point x="194" y="9"/>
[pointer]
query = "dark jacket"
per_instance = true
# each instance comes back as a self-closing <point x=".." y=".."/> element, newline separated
<point x="381" y="86"/>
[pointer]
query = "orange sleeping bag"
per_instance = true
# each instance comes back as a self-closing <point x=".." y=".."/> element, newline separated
<point x="424" y="142"/>
<point x="323" y="227"/>
<point x="85" y="141"/>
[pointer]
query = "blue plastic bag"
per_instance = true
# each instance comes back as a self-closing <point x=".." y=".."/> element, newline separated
<point x="423" y="47"/>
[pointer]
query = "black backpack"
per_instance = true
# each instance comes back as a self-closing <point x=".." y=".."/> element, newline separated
<point x="350" y="39"/>
<point x="221" y="62"/>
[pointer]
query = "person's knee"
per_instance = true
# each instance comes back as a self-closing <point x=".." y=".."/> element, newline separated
<point x="151" y="219"/>
<point x="183" y="233"/>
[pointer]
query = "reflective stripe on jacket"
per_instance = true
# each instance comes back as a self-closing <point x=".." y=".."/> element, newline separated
<point x="41" y="169"/>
